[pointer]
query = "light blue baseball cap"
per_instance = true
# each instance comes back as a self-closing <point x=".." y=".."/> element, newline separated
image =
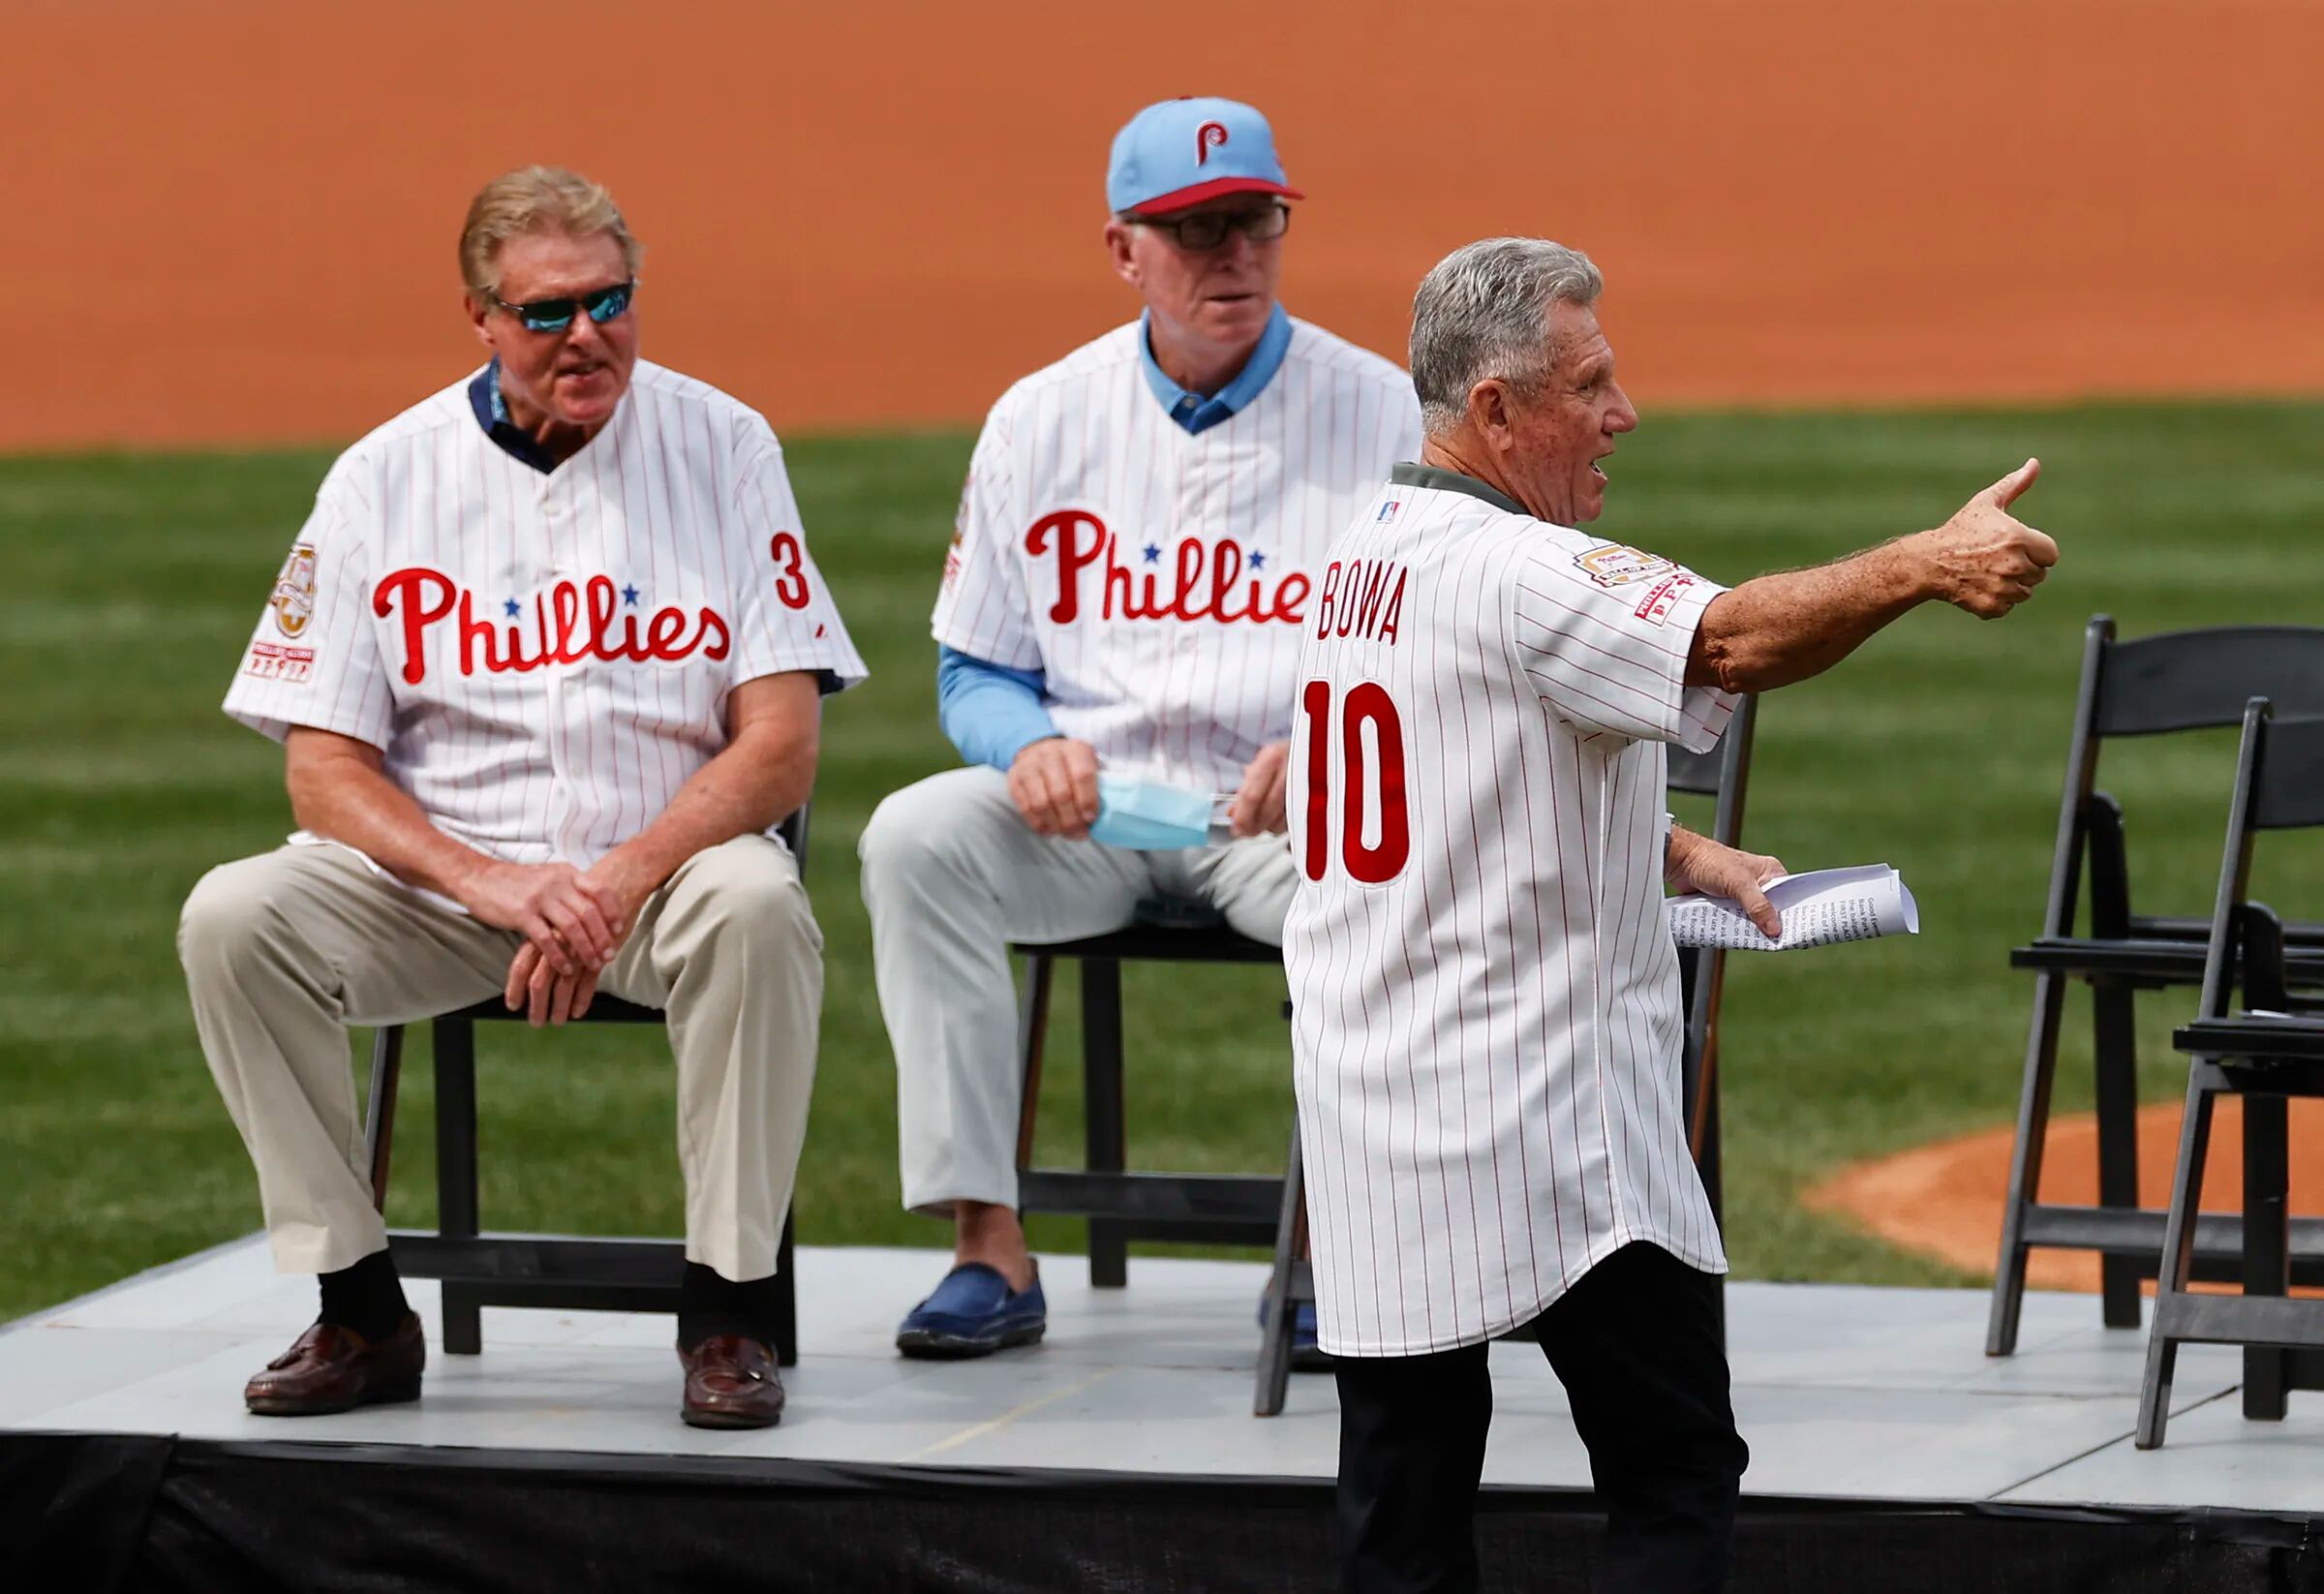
<point x="1181" y="152"/>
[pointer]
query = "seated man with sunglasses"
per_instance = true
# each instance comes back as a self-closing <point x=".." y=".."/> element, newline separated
<point x="1118" y="627"/>
<point x="547" y="662"/>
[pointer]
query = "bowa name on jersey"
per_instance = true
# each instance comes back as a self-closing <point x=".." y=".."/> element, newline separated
<point x="1362" y="599"/>
<point x="568" y="624"/>
<point x="1213" y="583"/>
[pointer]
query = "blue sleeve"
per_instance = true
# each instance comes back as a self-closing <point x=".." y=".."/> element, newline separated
<point x="990" y="712"/>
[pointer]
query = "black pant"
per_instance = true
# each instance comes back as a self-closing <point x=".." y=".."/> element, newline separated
<point x="1636" y="1344"/>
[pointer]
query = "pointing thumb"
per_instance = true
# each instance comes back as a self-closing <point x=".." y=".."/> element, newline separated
<point x="2007" y="490"/>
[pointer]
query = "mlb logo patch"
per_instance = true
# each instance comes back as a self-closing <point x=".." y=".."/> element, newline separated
<point x="1387" y="511"/>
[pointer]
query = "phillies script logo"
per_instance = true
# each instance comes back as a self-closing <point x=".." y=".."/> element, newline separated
<point x="566" y="626"/>
<point x="1077" y="539"/>
<point x="1208" y="137"/>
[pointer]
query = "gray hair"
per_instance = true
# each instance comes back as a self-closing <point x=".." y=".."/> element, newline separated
<point x="1485" y="312"/>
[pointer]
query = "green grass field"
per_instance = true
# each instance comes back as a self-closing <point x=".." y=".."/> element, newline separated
<point x="1939" y="748"/>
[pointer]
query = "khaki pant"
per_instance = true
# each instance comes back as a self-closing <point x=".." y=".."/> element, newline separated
<point x="283" y="951"/>
<point x="953" y="873"/>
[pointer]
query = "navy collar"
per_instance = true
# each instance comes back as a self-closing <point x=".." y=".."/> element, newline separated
<point x="492" y="413"/>
<point x="1198" y="413"/>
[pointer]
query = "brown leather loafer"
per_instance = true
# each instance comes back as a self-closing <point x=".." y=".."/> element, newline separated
<point x="731" y="1383"/>
<point x="333" y="1368"/>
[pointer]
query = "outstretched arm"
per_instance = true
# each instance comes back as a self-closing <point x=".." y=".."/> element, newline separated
<point x="1777" y="630"/>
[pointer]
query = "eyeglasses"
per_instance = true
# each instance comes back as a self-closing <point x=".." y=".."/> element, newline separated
<point x="556" y="315"/>
<point x="1205" y="230"/>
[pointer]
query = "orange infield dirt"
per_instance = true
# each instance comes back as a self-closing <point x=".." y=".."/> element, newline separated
<point x="233" y="221"/>
<point x="1945" y="1198"/>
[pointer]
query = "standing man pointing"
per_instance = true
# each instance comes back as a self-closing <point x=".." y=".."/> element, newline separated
<point x="1138" y="543"/>
<point x="1487" y="1019"/>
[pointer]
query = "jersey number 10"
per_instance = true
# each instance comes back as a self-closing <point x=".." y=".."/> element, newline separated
<point x="1375" y="837"/>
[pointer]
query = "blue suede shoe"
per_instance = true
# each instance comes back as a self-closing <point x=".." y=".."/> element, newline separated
<point x="973" y="1312"/>
<point x="1306" y="1355"/>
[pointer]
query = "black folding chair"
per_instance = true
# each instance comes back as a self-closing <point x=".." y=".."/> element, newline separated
<point x="2271" y="1049"/>
<point x="1723" y="775"/>
<point x="2179" y="681"/>
<point x="1208" y="1209"/>
<point x="555" y="1272"/>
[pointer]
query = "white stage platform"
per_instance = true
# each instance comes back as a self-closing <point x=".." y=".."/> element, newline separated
<point x="1868" y="1394"/>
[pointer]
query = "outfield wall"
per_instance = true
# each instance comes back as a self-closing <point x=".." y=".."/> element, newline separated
<point x="234" y="221"/>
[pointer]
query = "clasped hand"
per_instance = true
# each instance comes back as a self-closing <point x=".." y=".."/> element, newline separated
<point x="573" y="922"/>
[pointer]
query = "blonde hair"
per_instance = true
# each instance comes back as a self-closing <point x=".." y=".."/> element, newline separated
<point x="535" y="199"/>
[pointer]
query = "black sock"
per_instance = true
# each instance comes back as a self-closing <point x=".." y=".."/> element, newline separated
<point x="709" y="1305"/>
<point x="367" y="1298"/>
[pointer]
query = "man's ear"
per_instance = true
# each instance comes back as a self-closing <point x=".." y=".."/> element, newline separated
<point x="1118" y="248"/>
<point x="1491" y="414"/>
<point x="477" y="312"/>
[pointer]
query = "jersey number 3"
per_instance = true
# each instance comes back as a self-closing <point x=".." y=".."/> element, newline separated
<point x="791" y="585"/>
<point x="1375" y="836"/>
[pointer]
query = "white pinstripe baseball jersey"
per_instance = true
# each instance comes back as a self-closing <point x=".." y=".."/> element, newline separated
<point x="1485" y="1006"/>
<point x="1158" y="578"/>
<point x="545" y="659"/>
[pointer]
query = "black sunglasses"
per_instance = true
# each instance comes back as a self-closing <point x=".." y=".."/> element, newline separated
<point x="556" y="315"/>
<point x="1205" y="230"/>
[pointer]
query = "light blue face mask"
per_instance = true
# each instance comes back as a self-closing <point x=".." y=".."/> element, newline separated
<point x="1149" y="816"/>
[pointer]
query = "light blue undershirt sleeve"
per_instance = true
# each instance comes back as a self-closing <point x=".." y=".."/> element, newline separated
<point x="990" y="712"/>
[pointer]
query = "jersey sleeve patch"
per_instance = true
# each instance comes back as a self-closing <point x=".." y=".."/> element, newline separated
<point x="1662" y="598"/>
<point x="955" y="555"/>
<point x="273" y="661"/>
<point x="294" y="598"/>
<point x="1612" y="564"/>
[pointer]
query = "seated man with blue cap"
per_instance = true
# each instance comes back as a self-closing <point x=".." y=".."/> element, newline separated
<point x="1139" y="542"/>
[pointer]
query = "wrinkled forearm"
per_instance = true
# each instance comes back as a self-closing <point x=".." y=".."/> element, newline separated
<point x="342" y="796"/>
<point x="764" y="773"/>
<point x="1776" y="630"/>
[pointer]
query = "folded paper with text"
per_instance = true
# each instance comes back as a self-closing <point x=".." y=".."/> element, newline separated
<point x="1817" y="908"/>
